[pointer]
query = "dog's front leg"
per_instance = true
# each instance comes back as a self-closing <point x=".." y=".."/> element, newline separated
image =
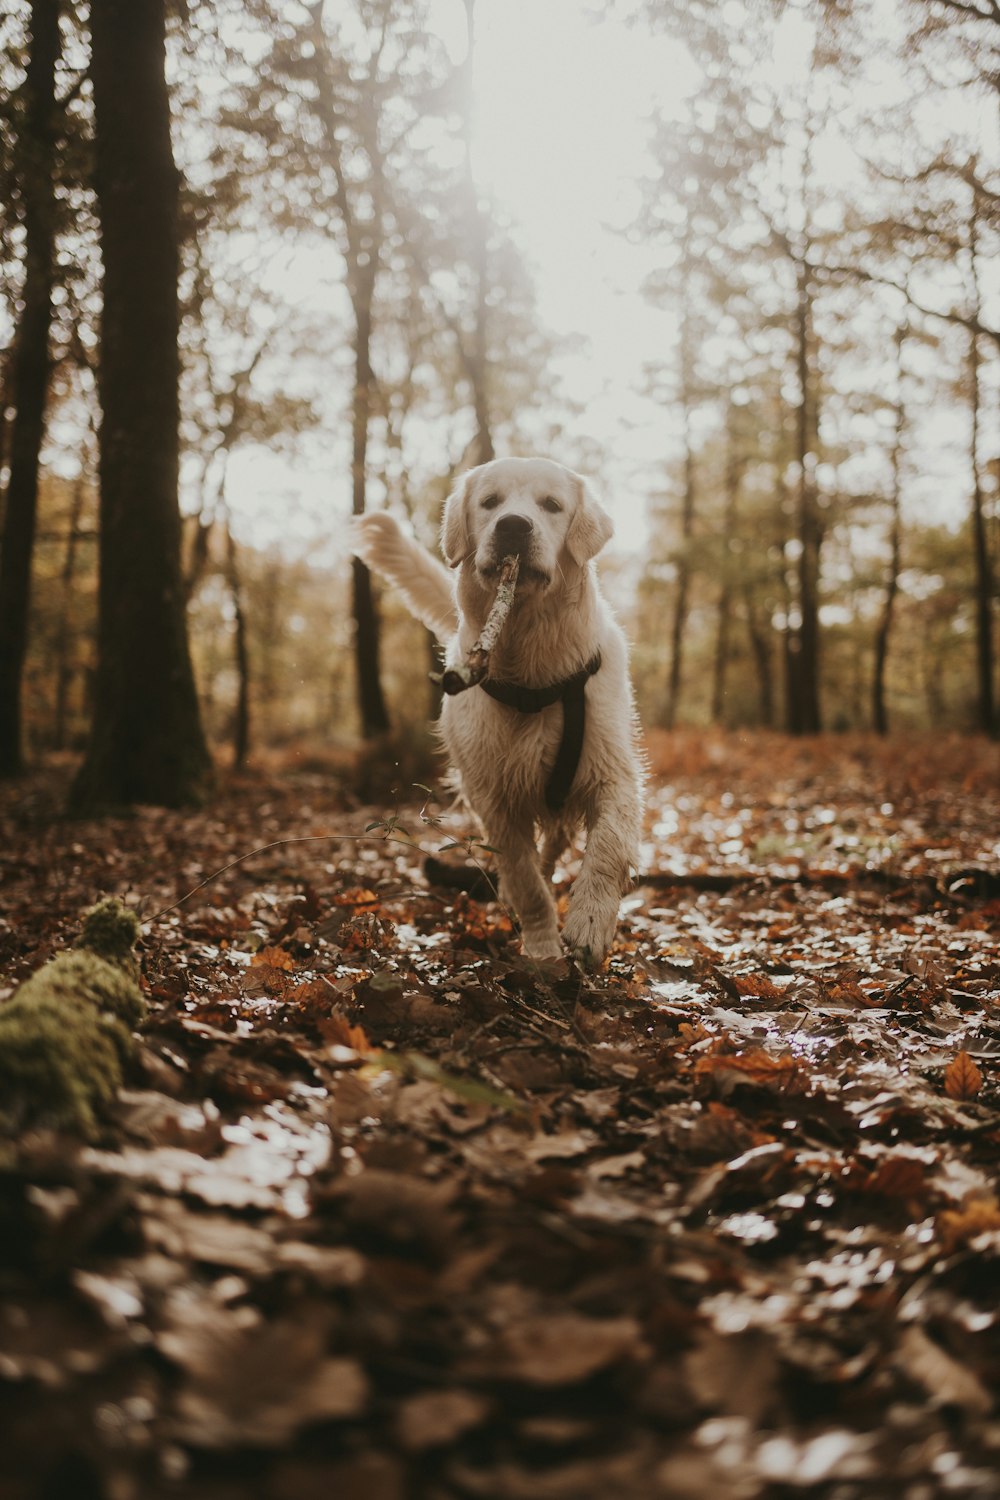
<point x="523" y="885"/>
<point x="613" y="819"/>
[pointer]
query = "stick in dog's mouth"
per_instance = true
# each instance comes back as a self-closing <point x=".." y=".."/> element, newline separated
<point x="477" y="662"/>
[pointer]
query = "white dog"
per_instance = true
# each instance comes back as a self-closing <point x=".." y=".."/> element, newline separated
<point x="549" y="740"/>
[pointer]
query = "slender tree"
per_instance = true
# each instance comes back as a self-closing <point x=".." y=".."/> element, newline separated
<point x="146" y="740"/>
<point x="35" y="158"/>
<point x="883" y="631"/>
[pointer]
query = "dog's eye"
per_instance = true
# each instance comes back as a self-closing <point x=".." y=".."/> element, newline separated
<point x="491" y="502"/>
<point x="551" y="504"/>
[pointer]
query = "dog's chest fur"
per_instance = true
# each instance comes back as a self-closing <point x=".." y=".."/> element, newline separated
<point x="501" y="753"/>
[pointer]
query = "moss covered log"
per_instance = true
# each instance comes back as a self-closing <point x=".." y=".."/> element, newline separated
<point x="66" y="1034"/>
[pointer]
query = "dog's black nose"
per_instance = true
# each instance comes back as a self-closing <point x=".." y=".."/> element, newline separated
<point x="514" y="528"/>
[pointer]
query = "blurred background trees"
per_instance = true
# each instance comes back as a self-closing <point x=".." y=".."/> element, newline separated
<point x="358" y="319"/>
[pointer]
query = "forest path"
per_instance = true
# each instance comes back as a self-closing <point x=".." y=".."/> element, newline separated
<point x="386" y="1212"/>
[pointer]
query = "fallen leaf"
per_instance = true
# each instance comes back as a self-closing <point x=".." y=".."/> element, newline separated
<point x="433" y="1419"/>
<point x="251" y="1383"/>
<point x="562" y="1348"/>
<point x="962" y="1079"/>
<point x="783" y="1074"/>
<point x="945" y="1381"/>
<point x="275" y="958"/>
<point x="957" y="1227"/>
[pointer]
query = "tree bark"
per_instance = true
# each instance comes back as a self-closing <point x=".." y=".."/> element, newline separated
<point x="803" y="705"/>
<point x="883" y="633"/>
<point x="241" y="651"/>
<point x="368" y="676"/>
<point x="680" y="610"/>
<point x="761" y="648"/>
<point x="476" y="359"/>
<point x="64" y="667"/>
<point x="724" y="608"/>
<point x="35" y="156"/>
<point x="983" y="562"/>
<point x="146" y="742"/>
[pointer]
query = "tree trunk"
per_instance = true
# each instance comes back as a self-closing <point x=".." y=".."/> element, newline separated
<point x="680" y="611"/>
<point x="761" y="648"/>
<point x="368" y="675"/>
<point x="146" y="742"/>
<point x="35" y="153"/>
<point x="980" y="542"/>
<point x="64" y="668"/>
<point x="804" y="710"/>
<point x="883" y="633"/>
<point x="724" y="607"/>
<point x="476" y="359"/>
<point x="241" y="716"/>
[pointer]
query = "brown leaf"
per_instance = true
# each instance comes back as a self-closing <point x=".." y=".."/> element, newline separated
<point x="757" y="986"/>
<point x="254" y="1383"/>
<point x="902" y="1179"/>
<point x="357" y="897"/>
<point x="338" y="1031"/>
<point x="784" y="1074"/>
<point x="277" y="958"/>
<point x="962" y="1079"/>
<point x="946" y="1382"/>
<point x="433" y="1419"/>
<point x="564" y="1347"/>
<point x="977" y="1216"/>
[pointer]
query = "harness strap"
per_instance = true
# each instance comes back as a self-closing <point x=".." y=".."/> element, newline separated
<point x="570" y="693"/>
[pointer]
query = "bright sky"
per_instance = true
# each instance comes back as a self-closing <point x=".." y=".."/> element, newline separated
<point x="563" y="99"/>
<point x="563" y="106"/>
<point x="565" y="92"/>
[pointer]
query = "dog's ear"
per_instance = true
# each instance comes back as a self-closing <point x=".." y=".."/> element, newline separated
<point x="455" y="540"/>
<point x="590" y="527"/>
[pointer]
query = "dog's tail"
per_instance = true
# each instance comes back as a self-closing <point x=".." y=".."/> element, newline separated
<point x="425" y="584"/>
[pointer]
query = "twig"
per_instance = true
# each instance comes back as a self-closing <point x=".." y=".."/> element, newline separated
<point x="477" y="662"/>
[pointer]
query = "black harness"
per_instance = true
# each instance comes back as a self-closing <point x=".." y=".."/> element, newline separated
<point x="569" y="693"/>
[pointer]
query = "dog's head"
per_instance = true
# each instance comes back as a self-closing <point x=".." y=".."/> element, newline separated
<point x="530" y="507"/>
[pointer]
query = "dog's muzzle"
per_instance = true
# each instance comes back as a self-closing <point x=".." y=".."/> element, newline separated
<point x="514" y="535"/>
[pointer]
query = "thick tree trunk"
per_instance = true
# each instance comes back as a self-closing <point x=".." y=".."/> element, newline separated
<point x="146" y="741"/>
<point x="368" y="675"/>
<point x="35" y="153"/>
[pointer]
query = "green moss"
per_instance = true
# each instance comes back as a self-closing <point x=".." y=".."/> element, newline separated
<point x="65" y="1036"/>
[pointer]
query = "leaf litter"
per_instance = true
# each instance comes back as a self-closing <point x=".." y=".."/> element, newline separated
<point x="385" y="1210"/>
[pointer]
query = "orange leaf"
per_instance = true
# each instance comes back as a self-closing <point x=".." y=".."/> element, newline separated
<point x="962" y="1079"/>
<point x="976" y="1216"/>
<point x="755" y="1066"/>
<point x="338" y="1031"/>
<point x="276" y="957"/>
<point x="358" y="896"/>
<point x="757" y="985"/>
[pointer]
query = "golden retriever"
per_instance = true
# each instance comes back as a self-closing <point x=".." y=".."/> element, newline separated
<point x="549" y="741"/>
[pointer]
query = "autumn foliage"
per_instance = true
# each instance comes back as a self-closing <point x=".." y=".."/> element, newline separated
<point x="383" y="1210"/>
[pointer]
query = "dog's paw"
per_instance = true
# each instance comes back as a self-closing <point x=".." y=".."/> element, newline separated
<point x="588" y="935"/>
<point x="374" y="537"/>
<point x="542" y="947"/>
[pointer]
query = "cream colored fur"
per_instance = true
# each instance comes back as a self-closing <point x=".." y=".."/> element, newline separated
<point x="557" y="622"/>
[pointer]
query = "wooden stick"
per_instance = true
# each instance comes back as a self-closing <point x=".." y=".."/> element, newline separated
<point x="477" y="662"/>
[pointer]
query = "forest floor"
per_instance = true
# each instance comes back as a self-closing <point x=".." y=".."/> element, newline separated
<point x="385" y="1212"/>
